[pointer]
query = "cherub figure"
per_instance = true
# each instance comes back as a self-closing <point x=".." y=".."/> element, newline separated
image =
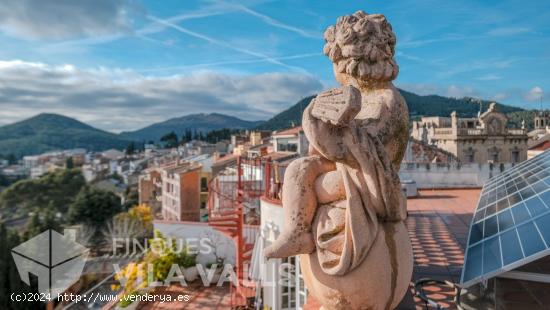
<point x="344" y="200"/>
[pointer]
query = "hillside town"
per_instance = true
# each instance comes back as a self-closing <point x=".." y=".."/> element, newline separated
<point x="230" y="191"/>
<point x="274" y="155"/>
<point x="487" y="141"/>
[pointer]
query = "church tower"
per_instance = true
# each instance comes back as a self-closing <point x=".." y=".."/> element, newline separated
<point x="542" y="120"/>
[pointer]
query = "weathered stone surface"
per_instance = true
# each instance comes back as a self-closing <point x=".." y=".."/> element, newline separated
<point x="343" y="204"/>
<point x="338" y="106"/>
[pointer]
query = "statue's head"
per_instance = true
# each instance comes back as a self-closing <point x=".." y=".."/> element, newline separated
<point x="361" y="47"/>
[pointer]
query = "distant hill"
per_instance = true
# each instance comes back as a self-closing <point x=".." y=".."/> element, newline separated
<point x="199" y="122"/>
<point x="48" y="132"/>
<point x="287" y="118"/>
<point x="432" y="105"/>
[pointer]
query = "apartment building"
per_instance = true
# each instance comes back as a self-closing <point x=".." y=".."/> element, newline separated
<point x="181" y="192"/>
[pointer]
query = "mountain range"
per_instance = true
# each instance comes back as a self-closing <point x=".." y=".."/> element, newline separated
<point x="195" y="122"/>
<point x="432" y="105"/>
<point x="47" y="132"/>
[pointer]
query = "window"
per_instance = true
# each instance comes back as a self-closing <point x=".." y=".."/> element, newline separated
<point x="301" y="297"/>
<point x="285" y="145"/>
<point x="293" y="290"/>
<point x="288" y="283"/>
<point x="469" y="155"/>
<point x="515" y="156"/>
<point x="493" y="156"/>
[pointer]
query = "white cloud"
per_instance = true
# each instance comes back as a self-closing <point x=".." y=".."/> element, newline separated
<point x="460" y="92"/>
<point x="508" y="31"/>
<point x="421" y="89"/>
<point x="116" y="99"/>
<point x="500" y="96"/>
<point x="534" y="94"/>
<point x="62" y="19"/>
<point x="489" y="77"/>
<point x="221" y="43"/>
<point x="276" y="23"/>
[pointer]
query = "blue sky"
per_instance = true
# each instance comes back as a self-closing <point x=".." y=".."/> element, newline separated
<point x="121" y="65"/>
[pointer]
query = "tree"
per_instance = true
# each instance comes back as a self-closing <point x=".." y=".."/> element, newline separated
<point x="69" y="163"/>
<point x="116" y="176"/>
<point x="58" y="188"/>
<point x="94" y="207"/>
<point x="41" y="220"/>
<point x="10" y="282"/>
<point x="170" y="140"/>
<point x="33" y="226"/>
<point x="131" y="198"/>
<point x="4" y="267"/>
<point x="187" y="136"/>
<point x="3" y="180"/>
<point x="220" y="134"/>
<point x="11" y="159"/>
<point x="131" y="148"/>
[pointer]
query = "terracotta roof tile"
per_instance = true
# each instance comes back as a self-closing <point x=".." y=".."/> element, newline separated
<point x="290" y="131"/>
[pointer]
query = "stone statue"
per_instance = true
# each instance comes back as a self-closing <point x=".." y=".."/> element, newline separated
<point x="343" y="204"/>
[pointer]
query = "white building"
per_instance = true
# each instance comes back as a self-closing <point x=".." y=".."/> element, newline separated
<point x="112" y="154"/>
<point x="282" y="282"/>
<point x="290" y="140"/>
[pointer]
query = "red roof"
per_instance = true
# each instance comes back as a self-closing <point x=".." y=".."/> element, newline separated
<point x="290" y="131"/>
<point x="541" y="146"/>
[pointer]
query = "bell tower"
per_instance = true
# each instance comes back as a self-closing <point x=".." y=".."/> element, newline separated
<point x="542" y="120"/>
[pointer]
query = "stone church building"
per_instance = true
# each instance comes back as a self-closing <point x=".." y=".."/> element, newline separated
<point x="485" y="139"/>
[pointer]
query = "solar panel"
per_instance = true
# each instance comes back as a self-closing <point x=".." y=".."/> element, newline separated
<point x="511" y="225"/>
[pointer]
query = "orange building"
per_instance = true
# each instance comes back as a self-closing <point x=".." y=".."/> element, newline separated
<point x="181" y="192"/>
<point x="150" y="189"/>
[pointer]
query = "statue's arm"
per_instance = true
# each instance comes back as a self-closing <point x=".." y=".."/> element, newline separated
<point x="326" y="138"/>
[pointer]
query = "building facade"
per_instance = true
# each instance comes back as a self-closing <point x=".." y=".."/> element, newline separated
<point x="282" y="282"/>
<point x="541" y="127"/>
<point x="150" y="189"/>
<point x="290" y="140"/>
<point x="485" y="139"/>
<point x="542" y="120"/>
<point x="181" y="192"/>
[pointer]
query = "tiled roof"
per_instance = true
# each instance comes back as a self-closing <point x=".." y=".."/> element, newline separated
<point x="225" y="159"/>
<point x="541" y="147"/>
<point x="290" y="131"/>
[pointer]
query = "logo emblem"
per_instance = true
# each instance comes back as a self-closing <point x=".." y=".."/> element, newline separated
<point x="55" y="259"/>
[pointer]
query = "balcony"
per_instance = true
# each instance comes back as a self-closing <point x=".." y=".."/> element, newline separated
<point x="517" y="132"/>
<point x="443" y="131"/>
<point x="471" y="132"/>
